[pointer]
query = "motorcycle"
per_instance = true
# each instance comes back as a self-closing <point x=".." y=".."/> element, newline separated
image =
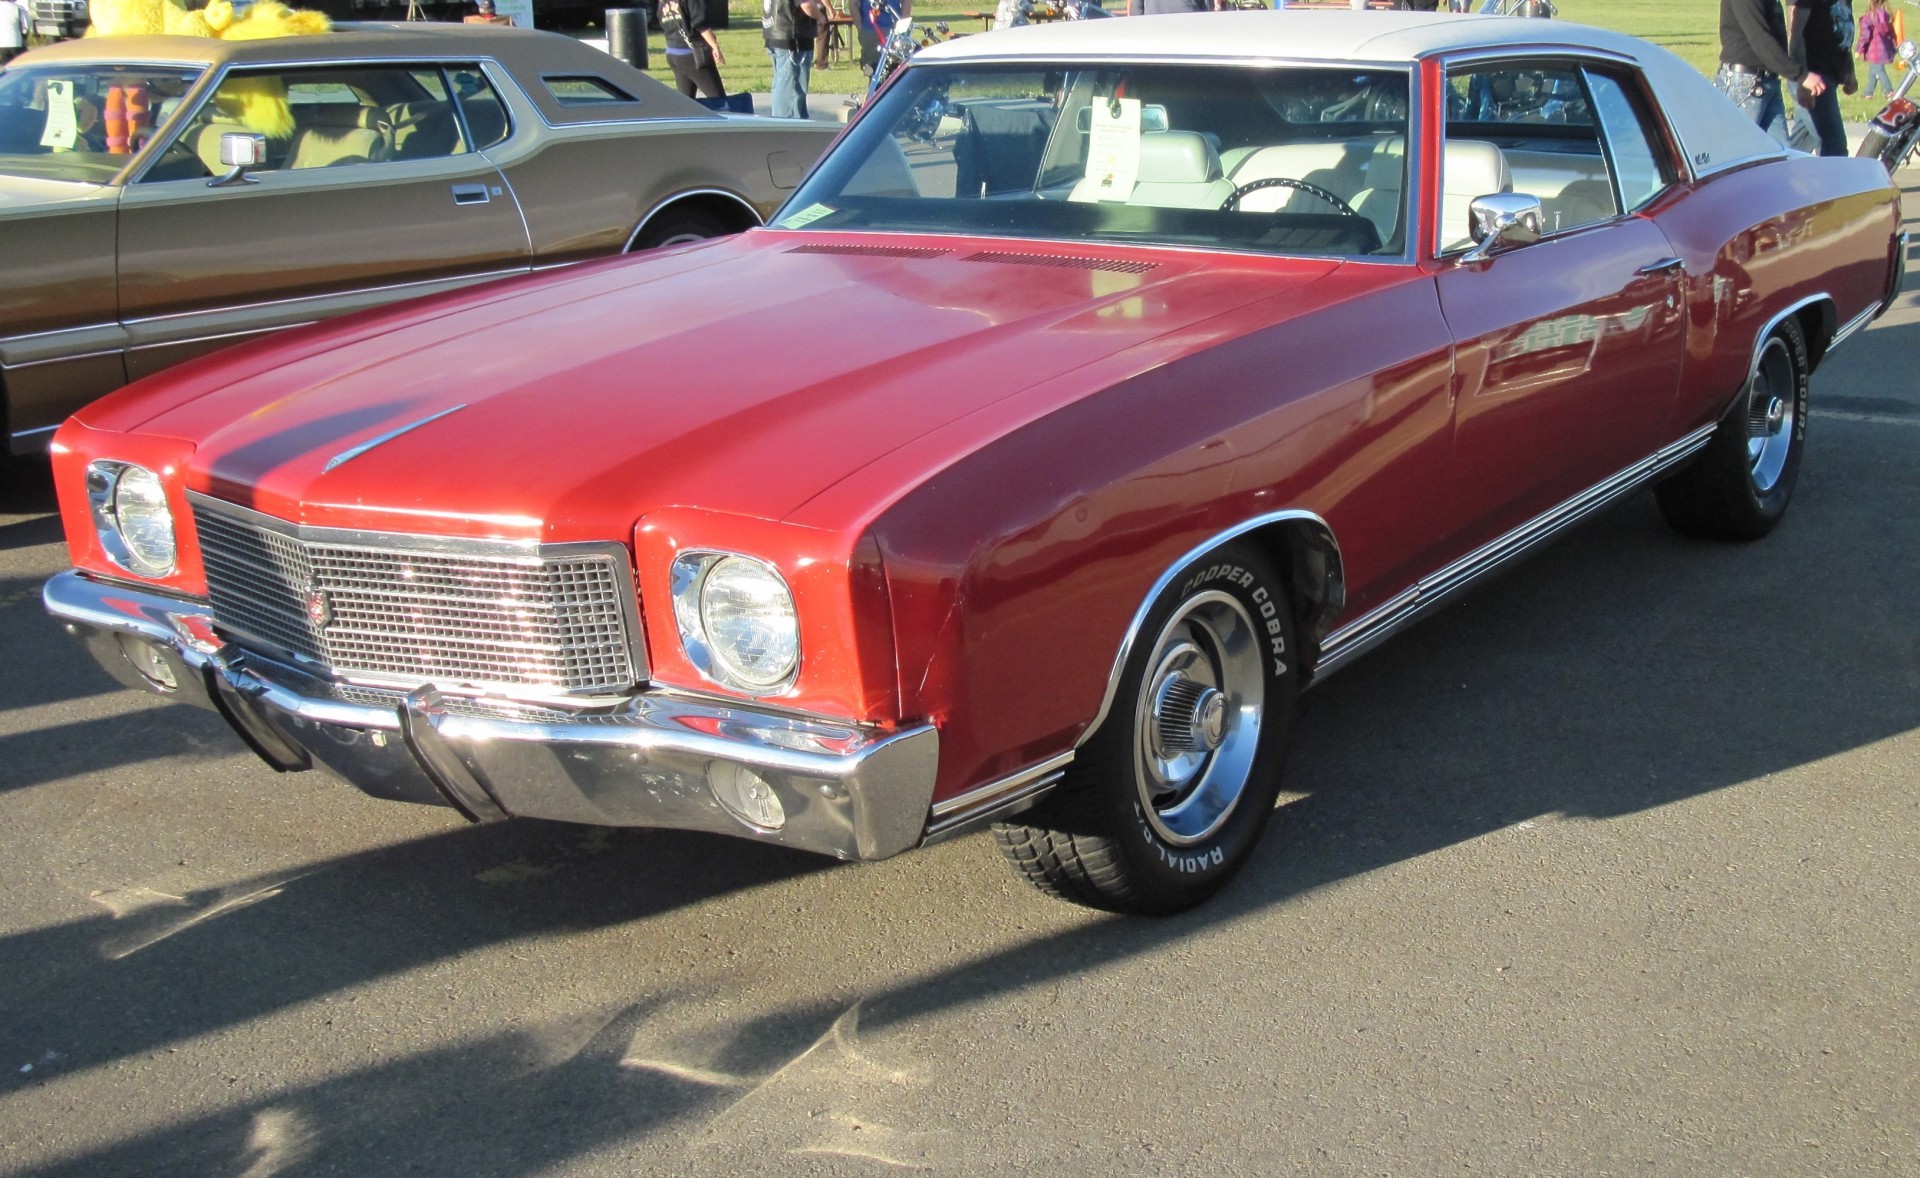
<point x="1891" y="137"/>
<point x="902" y="43"/>
<point x="1505" y="7"/>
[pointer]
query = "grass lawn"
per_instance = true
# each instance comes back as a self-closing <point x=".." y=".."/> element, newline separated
<point x="1691" y="28"/>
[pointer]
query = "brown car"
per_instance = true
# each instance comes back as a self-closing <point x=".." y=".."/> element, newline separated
<point x="418" y="158"/>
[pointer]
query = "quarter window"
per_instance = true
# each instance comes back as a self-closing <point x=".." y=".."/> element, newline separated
<point x="1640" y="168"/>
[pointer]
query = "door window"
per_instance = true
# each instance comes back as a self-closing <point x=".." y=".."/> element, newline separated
<point x="323" y="118"/>
<point x="1524" y="127"/>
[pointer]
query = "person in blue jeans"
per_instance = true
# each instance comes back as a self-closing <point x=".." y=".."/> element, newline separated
<point x="1822" y="37"/>
<point x="790" y="28"/>
<point x="1754" y="58"/>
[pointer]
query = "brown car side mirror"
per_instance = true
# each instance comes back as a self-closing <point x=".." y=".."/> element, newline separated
<point x="240" y="150"/>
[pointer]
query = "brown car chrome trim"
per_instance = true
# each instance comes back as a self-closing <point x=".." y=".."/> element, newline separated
<point x="61" y="344"/>
<point x="662" y="205"/>
<point x="1364" y="633"/>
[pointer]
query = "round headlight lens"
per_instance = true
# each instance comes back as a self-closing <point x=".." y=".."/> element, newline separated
<point x="747" y="615"/>
<point x="130" y="512"/>
<point x="144" y="520"/>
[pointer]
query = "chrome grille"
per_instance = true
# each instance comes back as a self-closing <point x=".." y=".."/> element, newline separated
<point x="420" y="609"/>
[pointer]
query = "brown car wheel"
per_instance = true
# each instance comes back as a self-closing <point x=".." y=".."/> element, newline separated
<point x="1165" y="803"/>
<point x="1739" y="486"/>
<point x="678" y="227"/>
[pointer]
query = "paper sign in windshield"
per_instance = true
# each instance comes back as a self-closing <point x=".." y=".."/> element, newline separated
<point x="1113" y="148"/>
<point x="806" y="216"/>
<point x="62" y="127"/>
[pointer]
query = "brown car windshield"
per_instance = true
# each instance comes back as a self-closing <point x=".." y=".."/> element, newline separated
<point x="83" y="121"/>
<point x="1287" y="160"/>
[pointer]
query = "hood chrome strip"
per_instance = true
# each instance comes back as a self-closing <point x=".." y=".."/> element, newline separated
<point x="390" y="435"/>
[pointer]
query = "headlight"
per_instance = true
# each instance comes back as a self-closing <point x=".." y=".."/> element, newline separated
<point x="131" y="514"/>
<point x="736" y="620"/>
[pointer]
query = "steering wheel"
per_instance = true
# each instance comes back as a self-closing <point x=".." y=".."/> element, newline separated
<point x="1228" y="205"/>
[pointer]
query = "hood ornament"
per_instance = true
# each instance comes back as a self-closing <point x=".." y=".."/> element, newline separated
<point x="350" y="454"/>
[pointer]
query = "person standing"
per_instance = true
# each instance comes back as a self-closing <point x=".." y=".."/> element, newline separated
<point x="13" y="29"/>
<point x="693" y="52"/>
<point x="789" y="27"/>
<point x="1875" y="44"/>
<point x="1754" y="59"/>
<point x="1822" y="37"/>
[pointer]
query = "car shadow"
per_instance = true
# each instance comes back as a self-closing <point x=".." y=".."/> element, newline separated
<point x="1622" y="670"/>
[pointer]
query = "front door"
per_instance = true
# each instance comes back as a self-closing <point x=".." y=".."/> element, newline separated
<point x="371" y="193"/>
<point x="1569" y="349"/>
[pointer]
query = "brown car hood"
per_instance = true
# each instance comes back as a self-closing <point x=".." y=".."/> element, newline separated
<point x="742" y="376"/>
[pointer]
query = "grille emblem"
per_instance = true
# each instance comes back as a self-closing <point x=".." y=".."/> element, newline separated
<point x="319" y="606"/>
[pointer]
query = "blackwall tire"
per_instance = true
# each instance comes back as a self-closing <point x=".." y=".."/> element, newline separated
<point x="1740" y="485"/>
<point x="678" y="227"/>
<point x="1168" y="799"/>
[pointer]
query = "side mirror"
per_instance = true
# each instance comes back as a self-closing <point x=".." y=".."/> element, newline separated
<point x="1502" y="219"/>
<point x="240" y="150"/>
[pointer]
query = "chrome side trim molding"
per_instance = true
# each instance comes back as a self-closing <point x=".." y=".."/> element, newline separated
<point x="1364" y="633"/>
<point x="453" y="282"/>
<point x="1852" y="325"/>
<point x="1330" y="608"/>
<point x="970" y="810"/>
<point x="662" y="205"/>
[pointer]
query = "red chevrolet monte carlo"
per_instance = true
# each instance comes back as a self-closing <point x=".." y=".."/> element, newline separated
<point x="1174" y="363"/>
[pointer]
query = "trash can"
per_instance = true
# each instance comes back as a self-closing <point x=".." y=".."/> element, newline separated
<point x="627" y="35"/>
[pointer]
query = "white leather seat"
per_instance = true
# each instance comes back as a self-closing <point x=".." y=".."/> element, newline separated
<point x="1470" y="168"/>
<point x="1178" y="170"/>
<point x="1381" y="199"/>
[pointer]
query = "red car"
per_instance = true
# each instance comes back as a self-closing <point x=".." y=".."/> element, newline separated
<point x="1106" y="385"/>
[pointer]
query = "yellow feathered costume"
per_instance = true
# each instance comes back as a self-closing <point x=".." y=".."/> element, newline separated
<point x="258" y="105"/>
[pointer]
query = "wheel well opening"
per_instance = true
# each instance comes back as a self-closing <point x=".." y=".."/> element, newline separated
<point x="729" y="212"/>
<point x="1818" y="323"/>
<point x="1309" y="556"/>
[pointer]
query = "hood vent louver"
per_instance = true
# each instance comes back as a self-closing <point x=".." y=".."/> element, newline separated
<point x="873" y="251"/>
<point x="1062" y="261"/>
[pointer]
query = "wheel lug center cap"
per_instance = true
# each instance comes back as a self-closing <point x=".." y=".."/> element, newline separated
<point x="1210" y="718"/>
<point x="1776" y="414"/>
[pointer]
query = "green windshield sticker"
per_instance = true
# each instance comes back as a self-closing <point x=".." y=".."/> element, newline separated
<point x="806" y="216"/>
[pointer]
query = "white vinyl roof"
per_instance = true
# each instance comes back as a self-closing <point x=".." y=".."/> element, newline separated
<point x="1711" y="129"/>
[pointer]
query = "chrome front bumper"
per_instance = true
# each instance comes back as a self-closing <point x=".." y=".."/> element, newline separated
<point x="650" y="760"/>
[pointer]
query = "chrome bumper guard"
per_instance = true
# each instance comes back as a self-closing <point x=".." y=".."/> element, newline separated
<point x="651" y="760"/>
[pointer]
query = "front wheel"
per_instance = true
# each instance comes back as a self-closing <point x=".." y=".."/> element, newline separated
<point x="1166" y="802"/>
<point x="1739" y="486"/>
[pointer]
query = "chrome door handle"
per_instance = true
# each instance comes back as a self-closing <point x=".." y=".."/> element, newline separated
<point x="470" y="194"/>
<point x="1663" y="266"/>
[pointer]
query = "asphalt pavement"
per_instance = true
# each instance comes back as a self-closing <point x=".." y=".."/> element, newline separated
<point x="1608" y="868"/>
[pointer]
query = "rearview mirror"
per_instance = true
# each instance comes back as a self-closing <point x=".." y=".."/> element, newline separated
<point x="1502" y="219"/>
<point x="1153" y="117"/>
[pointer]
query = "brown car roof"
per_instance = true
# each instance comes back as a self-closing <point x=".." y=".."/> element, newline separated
<point x="528" y="54"/>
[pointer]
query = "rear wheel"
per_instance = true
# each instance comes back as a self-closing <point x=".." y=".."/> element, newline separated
<point x="677" y="227"/>
<point x="1166" y="802"/>
<point x="1740" y="485"/>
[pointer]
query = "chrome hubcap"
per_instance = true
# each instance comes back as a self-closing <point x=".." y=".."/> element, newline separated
<point x="1197" y="723"/>
<point x="1771" y="408"/>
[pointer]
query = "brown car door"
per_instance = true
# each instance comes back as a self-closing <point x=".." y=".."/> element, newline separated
<point x="376" y="195"/>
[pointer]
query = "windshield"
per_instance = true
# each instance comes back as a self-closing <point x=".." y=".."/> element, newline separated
<point x="1291" y="160"/>
<point x="83" y="121"/>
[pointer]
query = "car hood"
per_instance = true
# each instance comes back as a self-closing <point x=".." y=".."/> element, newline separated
<point x="741" y="376"/>
<point x="18" y="193"/>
